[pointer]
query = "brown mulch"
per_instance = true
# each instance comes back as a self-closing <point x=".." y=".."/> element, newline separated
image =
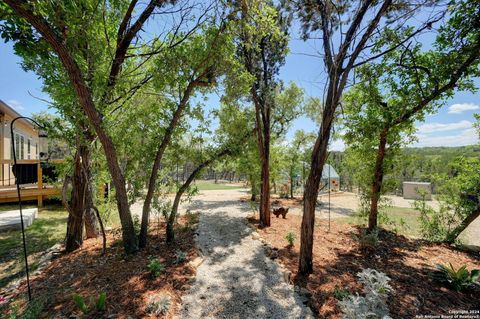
<point x="125" y="279"/>
<point x="338" y="257"/>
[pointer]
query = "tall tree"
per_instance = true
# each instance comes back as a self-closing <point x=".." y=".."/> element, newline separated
<point x="61" y="26"/>
<point x="263" y="47"/>
<point x="407" y="85"/>
<point x="348" y="33"/>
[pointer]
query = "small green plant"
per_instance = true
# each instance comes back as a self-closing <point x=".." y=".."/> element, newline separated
<point x="84" y="307"/>
<point x="159" y="304"/>
<point x="155" y="267"/>
<point x="100" y="305"/>
<point x="340" y="293"/>
<point x="80" y="303"/>
<point x="180" y="256"/>
<point x="34" y="309"/>
<point x="459" y="279"/>
<point x="368" y="240"/>
<point x="192" y="219"/>
<point x="290" y="237"/>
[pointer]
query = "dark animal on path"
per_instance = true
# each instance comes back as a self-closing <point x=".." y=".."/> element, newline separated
<point x="280" y="211"/>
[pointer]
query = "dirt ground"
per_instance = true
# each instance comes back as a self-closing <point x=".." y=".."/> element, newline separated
<point x="125" y="279"/>
<point x="338" y="258"/>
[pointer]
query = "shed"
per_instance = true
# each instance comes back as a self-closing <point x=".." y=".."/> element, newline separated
<point x="413" y="190"/>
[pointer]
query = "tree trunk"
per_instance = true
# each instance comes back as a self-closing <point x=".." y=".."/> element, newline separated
<point x="453" y="235"/>
<point x="319" y="157"/>
<point x="265" y="191"/>
<point x="158" y="159"/>
<point x="291" y="185"/>
<point x="74" y="237"/>
<point x="184" y="187"/>
<point x="92" y="226"/>
<point x="377" y="182"/>
<point x="85" y="98"/>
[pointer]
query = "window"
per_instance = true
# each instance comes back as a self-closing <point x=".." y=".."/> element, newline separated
<point x="22" y="147"/>
<point x="36" y="150"/>
<point x="17" y="147"/>
<point x="28" y="149"/>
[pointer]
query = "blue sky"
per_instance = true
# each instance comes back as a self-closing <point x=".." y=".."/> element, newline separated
<point x="451" y="126"/>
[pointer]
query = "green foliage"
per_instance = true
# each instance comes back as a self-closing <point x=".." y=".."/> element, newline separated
<point x="159" y="304"/>
<point x="367" y="240"/>
<point x="85" y="308"/>
<point x="290" y="237"/>
<point x="80" y="303"/>
<point x="155" y="267"/>
<point x="341" y="293"/>
<point x="459" y="279"/>
<point x="100" y="305"/>
<point x="180" y="256"/>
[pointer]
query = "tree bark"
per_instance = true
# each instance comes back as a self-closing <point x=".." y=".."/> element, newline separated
<point x="75" y="222"/>
<point x="377" y="182"/>
<point x="86" y="101"/>
<point x="453" y="235"/>
<point x="310" y="195"/>
<point x="184" y="187"/>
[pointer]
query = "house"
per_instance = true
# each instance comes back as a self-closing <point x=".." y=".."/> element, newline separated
<point x="27" y="147"/>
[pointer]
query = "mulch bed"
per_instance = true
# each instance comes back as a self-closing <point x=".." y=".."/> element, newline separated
<point x="125" y="279"/>
<point x="338" y="257"/>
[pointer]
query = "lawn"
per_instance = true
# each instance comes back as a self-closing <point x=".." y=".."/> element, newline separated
<point x="210" y="186"/>
<point x="403" y="221"/>
<point x="48" y="229"/>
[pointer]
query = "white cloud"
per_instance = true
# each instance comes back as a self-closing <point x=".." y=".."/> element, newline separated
<point x="465" y="137"/>
<point x="442" y="127"/>
<point x="462" y="107"/>
<point x="16" y="105"/>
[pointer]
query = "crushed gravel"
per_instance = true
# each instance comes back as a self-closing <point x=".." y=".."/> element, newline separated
<point x="236" y="278"/>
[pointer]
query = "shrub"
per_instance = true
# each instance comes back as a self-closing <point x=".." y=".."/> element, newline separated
<point x="290" y="237"/>
<point x="158" y="304"/>
<point x="180" y="256"/>
<point x="373" y="305"/>
<point x="155" y="267"/>
<point x="459" y="279"/>
<point x="100" y="304"/>
<point x="341" y="293"/>
<point x="368" y="240"/>
<point x="136" y="224"/>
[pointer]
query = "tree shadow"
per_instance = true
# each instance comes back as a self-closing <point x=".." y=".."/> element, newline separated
<point x="245" y="284"/>
<point x="338" y="257"/>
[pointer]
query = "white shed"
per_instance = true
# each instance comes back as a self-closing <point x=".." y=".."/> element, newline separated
<point x="413" y="190"/>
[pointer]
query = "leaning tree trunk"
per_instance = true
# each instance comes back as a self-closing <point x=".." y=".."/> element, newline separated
<point x="85" y="98"/>
<point x="377" y="182"/>
<point x="74" y="237"/>
<point x="453" y="235"/>
<point x="310" y="195"/>
<point x="184" y="187"/>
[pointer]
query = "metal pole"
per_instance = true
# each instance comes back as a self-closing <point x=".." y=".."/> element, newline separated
<point x="12" y="137"/>
<point x="329" y="198"/>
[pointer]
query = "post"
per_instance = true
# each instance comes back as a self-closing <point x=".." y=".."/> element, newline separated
<point x="40" y="185"/>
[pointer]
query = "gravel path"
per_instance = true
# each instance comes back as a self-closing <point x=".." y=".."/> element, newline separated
<point x="236" y="279"/>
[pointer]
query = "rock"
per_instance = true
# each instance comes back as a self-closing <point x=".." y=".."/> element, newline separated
<point x="196" y="262"/>
<point x="255" y="236"/>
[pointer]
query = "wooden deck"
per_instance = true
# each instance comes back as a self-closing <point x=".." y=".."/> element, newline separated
<point x="37" y="191"/>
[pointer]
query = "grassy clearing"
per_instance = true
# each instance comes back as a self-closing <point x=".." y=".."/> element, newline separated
<point x="48" y="229"/>
<point x="403" y="221"/>
<point x="209" y="186"/>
